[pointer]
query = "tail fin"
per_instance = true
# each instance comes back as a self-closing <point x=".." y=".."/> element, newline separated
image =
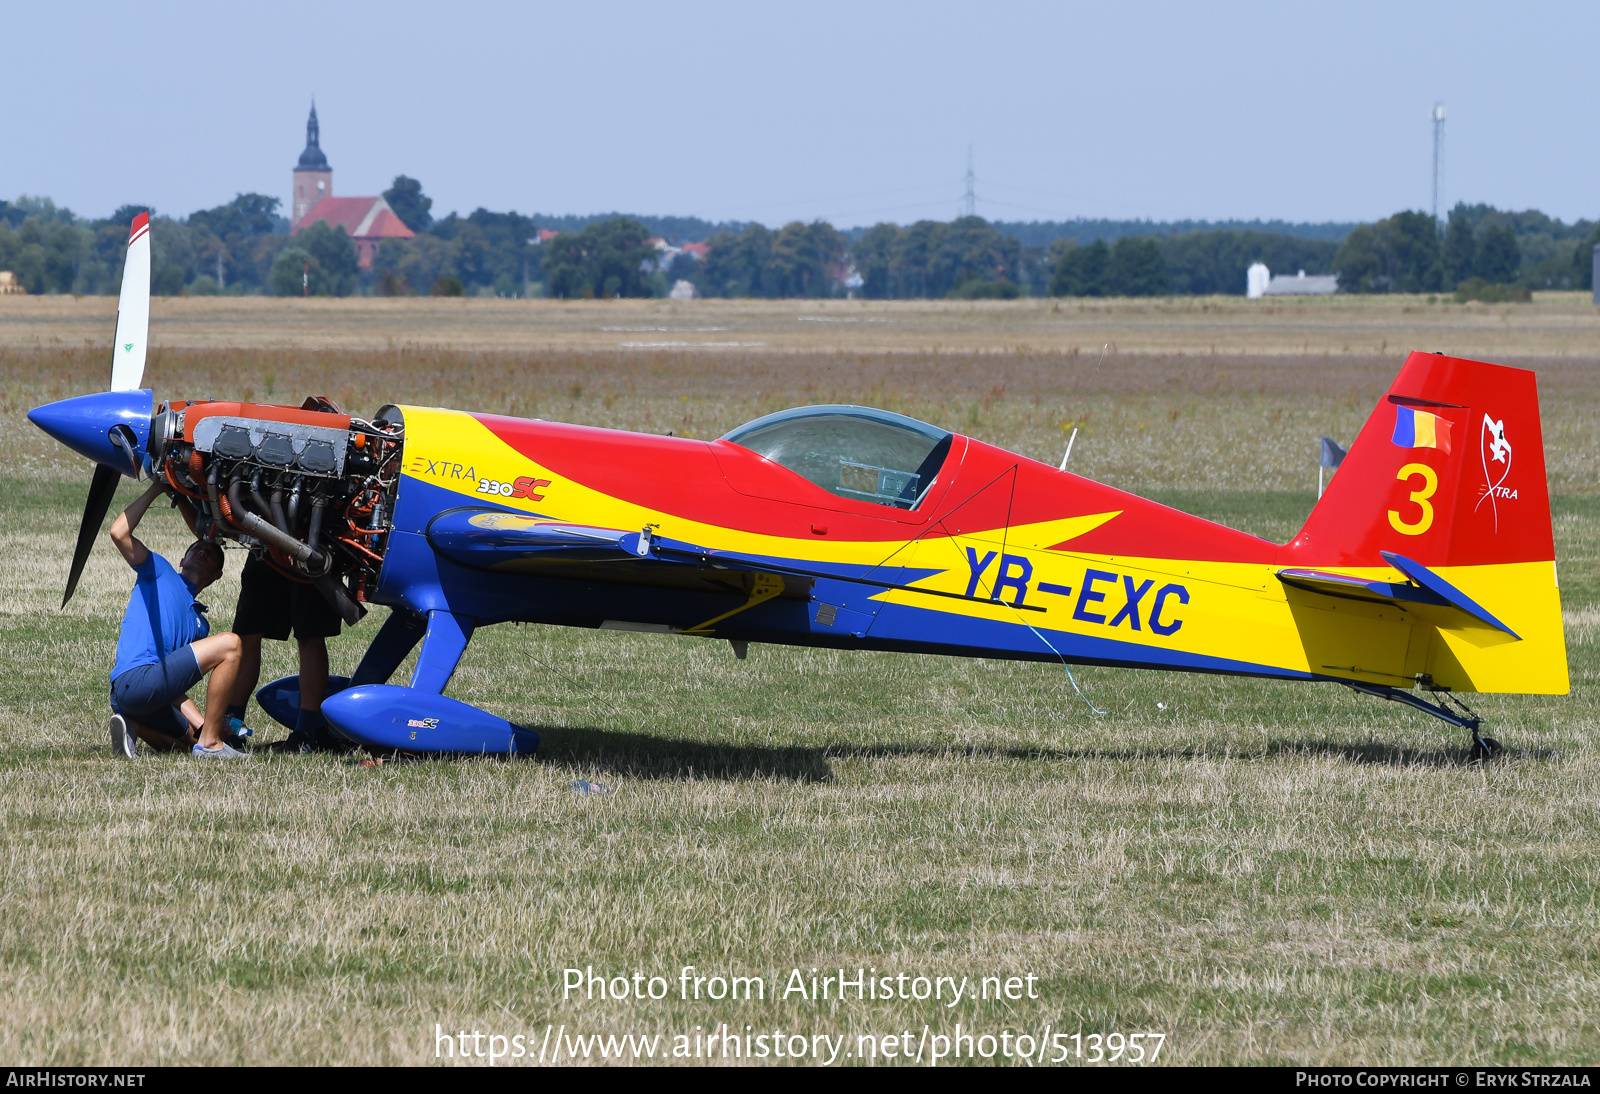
<point x="1449" y="471"/>
<point x="1447" y="481"/>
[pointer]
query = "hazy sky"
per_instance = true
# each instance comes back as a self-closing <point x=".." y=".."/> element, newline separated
<point x="855" y="112"/>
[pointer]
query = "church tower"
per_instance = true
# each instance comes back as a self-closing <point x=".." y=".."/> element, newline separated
<point x="313" y="178"/>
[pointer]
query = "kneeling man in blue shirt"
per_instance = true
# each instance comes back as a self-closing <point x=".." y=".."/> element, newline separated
<point x="166" y="648"/>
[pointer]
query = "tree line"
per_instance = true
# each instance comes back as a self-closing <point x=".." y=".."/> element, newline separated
<point x="243" y="247"/>
<point x="1042" y="233"/>
<point x="52" y="250"/>
<point x="1479" y="245"/>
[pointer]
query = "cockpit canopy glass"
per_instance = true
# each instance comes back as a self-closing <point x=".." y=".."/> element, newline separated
<point x="852" y="451"/>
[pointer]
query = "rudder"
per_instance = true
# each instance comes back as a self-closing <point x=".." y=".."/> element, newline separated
<point x="1448" y="474"/>
<point x="1449" y="470"/>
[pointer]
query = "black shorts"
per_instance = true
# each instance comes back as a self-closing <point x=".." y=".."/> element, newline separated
<point x="146" y="693"/>
<point x="270" y="604"/>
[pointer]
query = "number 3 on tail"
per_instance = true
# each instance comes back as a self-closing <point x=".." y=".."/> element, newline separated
<point x="1430" y="483"/>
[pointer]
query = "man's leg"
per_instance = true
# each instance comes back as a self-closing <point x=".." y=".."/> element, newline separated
<point x="308" y="725"/>
<point x="153" y="700"/>
<point x="161" y="742"/>
<point x="249" y="675"/>
<point x="218" y="657"/>
<point x="315" y="621"/>
<point x="313" y="673"/>
<point x="265" y="597"/>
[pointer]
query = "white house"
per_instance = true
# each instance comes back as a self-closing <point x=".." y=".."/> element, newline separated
<point x="1301" y="285"/>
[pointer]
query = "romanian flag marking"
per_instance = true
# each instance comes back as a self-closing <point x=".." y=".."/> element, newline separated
<point x="1419" y="429"/>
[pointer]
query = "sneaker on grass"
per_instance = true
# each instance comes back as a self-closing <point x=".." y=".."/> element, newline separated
<point x="221" y="752"/>
<point x="124" y="745"/>
<point x="296" y="744"/>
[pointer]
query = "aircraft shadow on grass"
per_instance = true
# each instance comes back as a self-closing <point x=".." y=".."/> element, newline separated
<point x="1365" y="753"/>
<point x="643" y="756"/>
<point x="1392" y="755"/>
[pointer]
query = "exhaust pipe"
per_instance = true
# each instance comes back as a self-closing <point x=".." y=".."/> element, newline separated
<point x="271" y="534"/>
<point x="334" y="594"/>
<point x="314" y="537"/>
<point x="304" y="553"/>
<point x="278" y="516"/>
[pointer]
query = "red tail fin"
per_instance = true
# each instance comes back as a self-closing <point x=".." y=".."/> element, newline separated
<point x="1449" y="471"/>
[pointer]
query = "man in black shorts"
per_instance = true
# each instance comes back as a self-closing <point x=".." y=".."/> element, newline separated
<point x="270" y="605"/>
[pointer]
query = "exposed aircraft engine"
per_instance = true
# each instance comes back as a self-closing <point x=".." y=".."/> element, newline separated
<point x="314" y="488"/>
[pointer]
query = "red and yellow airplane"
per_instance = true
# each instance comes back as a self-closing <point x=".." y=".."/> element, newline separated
<point x="1427" y="570"/>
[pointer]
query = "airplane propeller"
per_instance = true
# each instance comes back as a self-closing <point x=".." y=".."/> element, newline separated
<point x="110" y="427"/>
<point x="133" y="310"/>
<point x="102" y="488"/>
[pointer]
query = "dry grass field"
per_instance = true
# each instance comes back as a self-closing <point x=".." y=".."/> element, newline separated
<point x="1555" y="325"/>
<point x="1262" y="872"/>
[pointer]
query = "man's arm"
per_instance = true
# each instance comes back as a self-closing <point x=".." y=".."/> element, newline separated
<point x="186" y="511"/>
<point x="122" y="528"/>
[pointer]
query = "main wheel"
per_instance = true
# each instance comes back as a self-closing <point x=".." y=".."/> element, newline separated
<point x="1485" y="748"/>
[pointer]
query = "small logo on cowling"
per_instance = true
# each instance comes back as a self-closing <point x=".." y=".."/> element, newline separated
<point x="1493" y="448"/>
<point x="422" y="723"/>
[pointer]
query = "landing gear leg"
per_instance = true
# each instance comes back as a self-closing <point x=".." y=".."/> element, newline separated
<point x="397" y="637"/>
<point x="1483" y="748"/>
<point x="1450" y="709"/>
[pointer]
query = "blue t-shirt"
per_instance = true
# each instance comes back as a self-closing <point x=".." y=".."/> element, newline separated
<point x="162" y="616"/>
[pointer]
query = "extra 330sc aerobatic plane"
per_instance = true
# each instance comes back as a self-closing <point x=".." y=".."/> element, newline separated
<point x="1426" y="571"/>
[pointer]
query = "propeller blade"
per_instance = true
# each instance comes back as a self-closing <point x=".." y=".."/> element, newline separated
<point x="101" y="490"/>
<point x="133" y="310"/>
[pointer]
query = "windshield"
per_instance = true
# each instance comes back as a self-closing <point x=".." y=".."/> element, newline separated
<point x="851" y="451"/>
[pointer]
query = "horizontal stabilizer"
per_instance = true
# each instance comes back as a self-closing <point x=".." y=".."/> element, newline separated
<point x="1441" y="588"/>
<point x="1423" y="595"/>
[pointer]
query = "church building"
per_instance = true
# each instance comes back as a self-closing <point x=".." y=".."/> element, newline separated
<point x="368" y="221"/>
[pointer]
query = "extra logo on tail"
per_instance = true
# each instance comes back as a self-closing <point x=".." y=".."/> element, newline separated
<point x="1494" y="448"/>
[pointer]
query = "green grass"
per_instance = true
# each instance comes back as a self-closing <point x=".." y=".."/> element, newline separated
<point x="1264" y="872"/>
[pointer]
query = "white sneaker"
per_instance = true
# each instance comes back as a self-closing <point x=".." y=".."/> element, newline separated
<point x="221" y="752"/>
<point x="124" y="745"/>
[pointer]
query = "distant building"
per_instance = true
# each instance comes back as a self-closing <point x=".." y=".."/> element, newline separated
<point x="682" y="290"/>
<point x="1301" y="285"/>
<point x="1256" y="279"/>
<point x="9" y="285"/>
<point x="313" y="178"/>
<point x="699" y="250"/>
<point x="367" y="221"/>
<point x="665" y="252"/>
